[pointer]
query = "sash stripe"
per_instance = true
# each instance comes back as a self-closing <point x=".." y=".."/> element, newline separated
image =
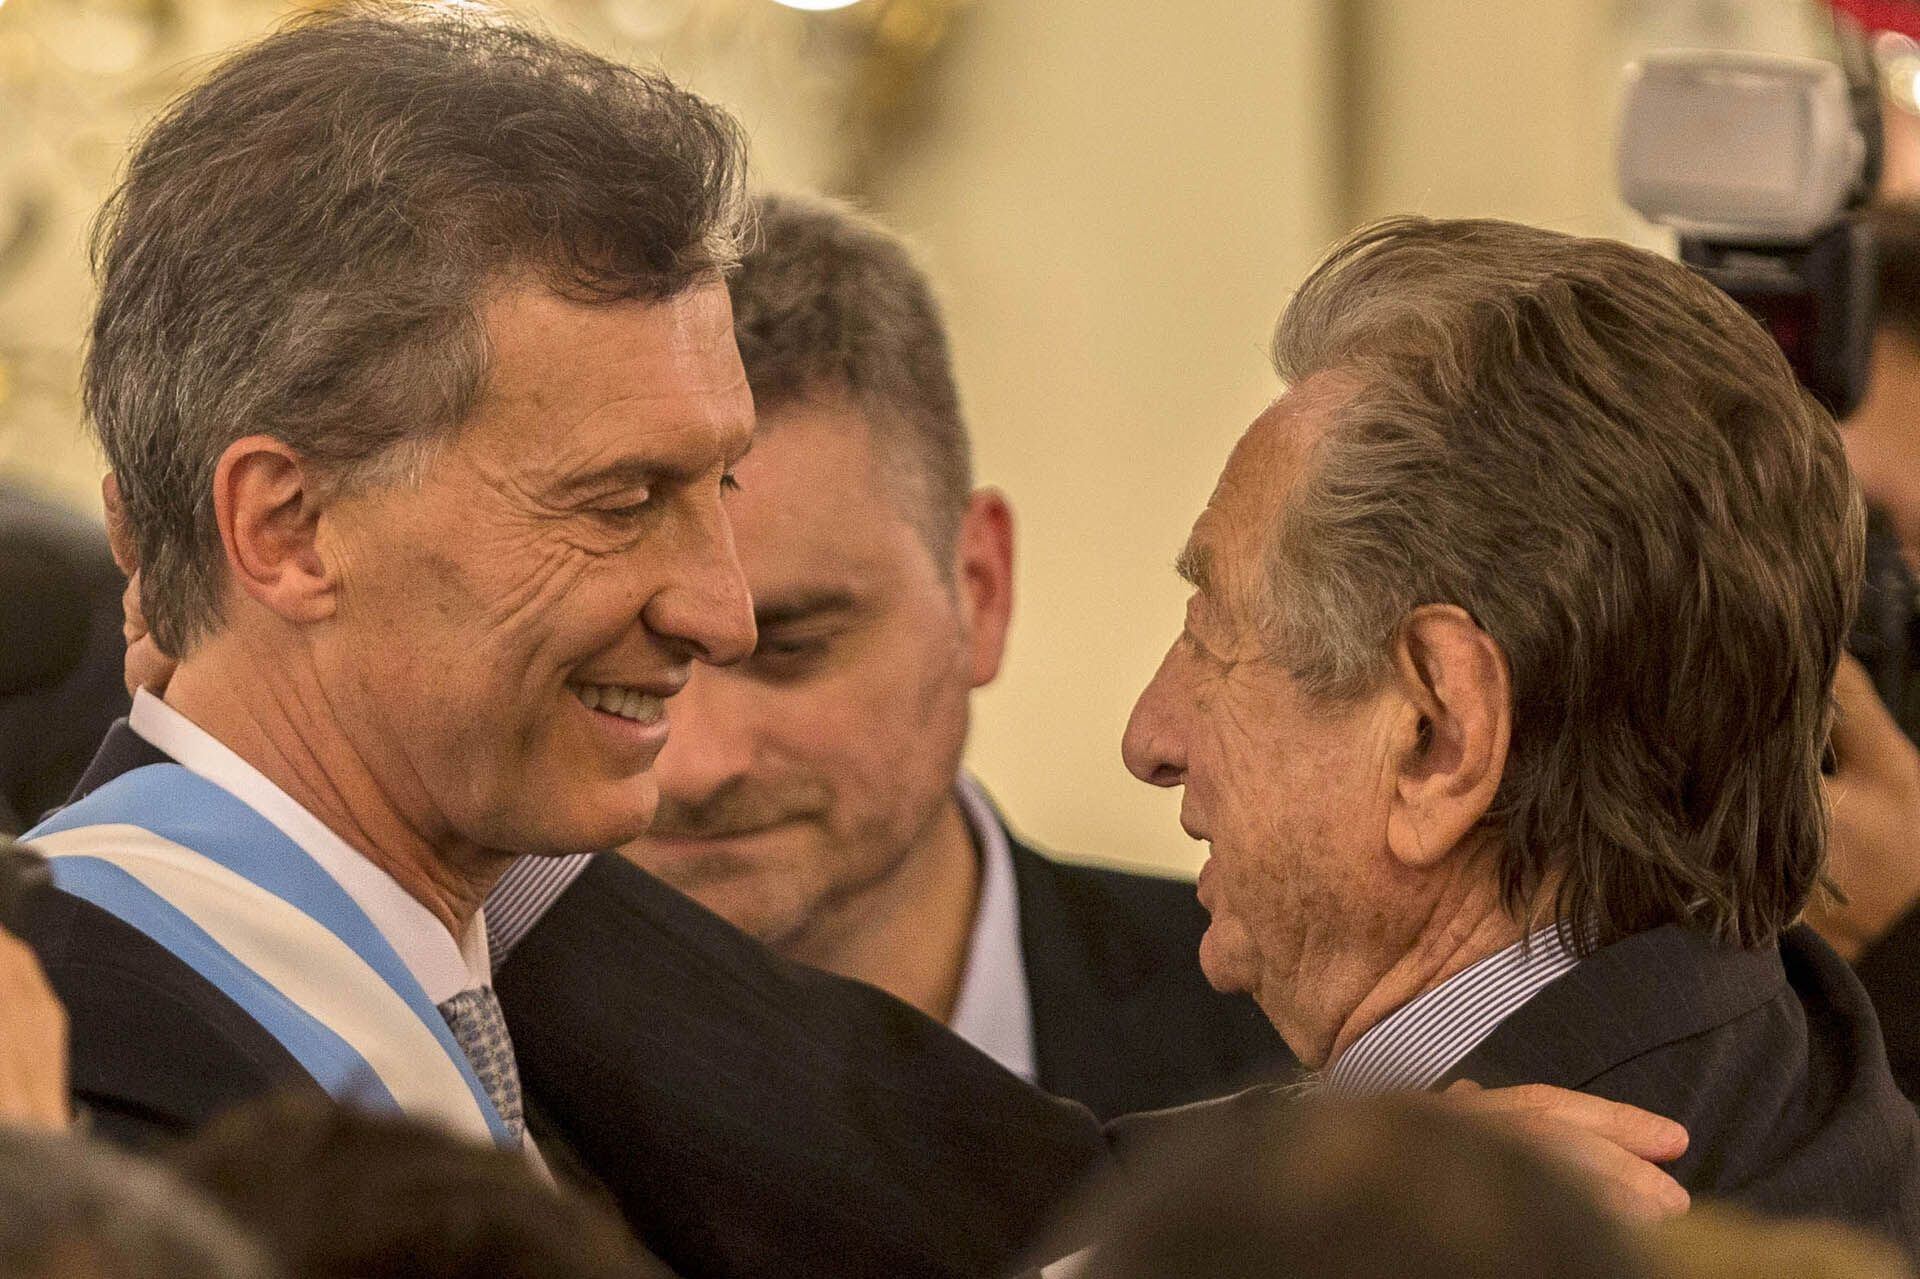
<point x="278" y="918"/>
<point x="330" y="1059"/>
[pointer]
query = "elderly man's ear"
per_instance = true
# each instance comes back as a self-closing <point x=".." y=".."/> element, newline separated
<point x="1451" y="740"/>
<point x="269" y="511"/>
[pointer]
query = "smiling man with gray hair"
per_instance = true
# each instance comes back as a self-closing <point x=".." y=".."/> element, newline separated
<point x="1501" y="702"/>
<point x="413" y="362"/>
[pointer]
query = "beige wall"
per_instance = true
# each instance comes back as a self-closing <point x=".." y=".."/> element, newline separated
<point x="1114" y="200"/>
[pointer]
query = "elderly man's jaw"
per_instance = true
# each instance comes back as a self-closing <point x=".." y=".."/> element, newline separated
<point x="1342" y="880"/>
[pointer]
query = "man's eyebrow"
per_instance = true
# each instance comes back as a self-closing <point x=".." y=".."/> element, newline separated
<point x="624" y="474"/>
<point x="783" y="610"/>
<point x="1195" y="565"/>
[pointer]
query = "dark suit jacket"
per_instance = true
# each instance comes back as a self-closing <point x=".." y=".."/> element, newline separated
<point x="1123" y="1018"/>
<point x="1770" y="1058"/>
<point x="751" y="1118"/>
<point x="1890" y="970"/>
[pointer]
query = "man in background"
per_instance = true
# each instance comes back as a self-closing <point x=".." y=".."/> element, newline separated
<point x="1876" y="782"/>
<point x="60" y="652"/>
<point x="812" y="794"/>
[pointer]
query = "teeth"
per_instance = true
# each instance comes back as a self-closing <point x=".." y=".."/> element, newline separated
<point x="617" y="699"/>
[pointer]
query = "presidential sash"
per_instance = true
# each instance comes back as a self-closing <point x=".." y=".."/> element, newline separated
<point x="224" y="889"/>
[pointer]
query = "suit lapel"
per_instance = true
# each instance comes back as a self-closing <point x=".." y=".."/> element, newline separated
<point x="1071" y="1014"/>
<point x="1624" y="1000"/>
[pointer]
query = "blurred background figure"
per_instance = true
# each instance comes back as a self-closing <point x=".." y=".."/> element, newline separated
<point x="1875" y="787"/>
<point x="337" y="1194"/>
<point x="1350" y="1188"/>
<point x="74" y="1209"/>
<point x="1883" y="434"/>
<point x="60" y="651"/>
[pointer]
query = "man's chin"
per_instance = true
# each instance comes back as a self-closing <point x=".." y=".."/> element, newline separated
<point x="1222" y="963"/>
<point x="575" y="819"/>
<point x="751" y="890"/>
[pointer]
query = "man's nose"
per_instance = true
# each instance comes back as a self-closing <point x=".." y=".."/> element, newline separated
<point x="709" y="739"/>
<point x="703" y="605"/>
<point x="1152" y="746"/>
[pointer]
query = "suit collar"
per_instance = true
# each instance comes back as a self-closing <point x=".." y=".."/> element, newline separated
<point x="1640" y="993"/>
<point x="122" y="751"/>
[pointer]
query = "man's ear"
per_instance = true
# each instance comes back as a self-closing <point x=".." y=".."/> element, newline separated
<point x="126" y="553"/>
<point x="983" y="578"/>
<point x="267" y="503"/>
<point x="1458" y="721"/>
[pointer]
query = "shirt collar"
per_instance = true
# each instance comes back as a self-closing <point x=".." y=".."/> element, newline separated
<point x="994" y="1012"/>
<point x="1418" y="1043"/>
<point x="442" y="966"/>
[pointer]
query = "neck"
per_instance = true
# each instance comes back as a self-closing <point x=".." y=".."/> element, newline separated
<point x="1465" y="924"/>
<point x="908" y="932"/>
<point x="274" y="715"/>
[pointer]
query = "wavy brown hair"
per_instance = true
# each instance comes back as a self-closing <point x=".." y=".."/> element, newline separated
<point x="1609" y="465"/>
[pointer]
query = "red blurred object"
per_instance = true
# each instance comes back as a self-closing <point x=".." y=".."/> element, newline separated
<point x="1882" y="15"/>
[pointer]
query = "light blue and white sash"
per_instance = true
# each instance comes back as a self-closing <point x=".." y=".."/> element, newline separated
<point x="224" y="889"/>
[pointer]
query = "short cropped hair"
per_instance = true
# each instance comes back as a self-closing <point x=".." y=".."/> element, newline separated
<point x="302" y="243"/>
<point x="335" y="1193"/>
<point x="828" y="304"/>
<point x="1609" y="465"/>
<point x="70" y="1206"/>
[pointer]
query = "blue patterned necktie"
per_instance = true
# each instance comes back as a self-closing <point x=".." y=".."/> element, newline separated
<point x="480" y="1029"/>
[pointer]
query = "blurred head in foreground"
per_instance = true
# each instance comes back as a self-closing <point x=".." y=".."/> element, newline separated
<point x="71" y="1209"/>
<point x="1337" y="1188"/>
<point x="1721" y="1242"/>
<point x="338" y="1194"/>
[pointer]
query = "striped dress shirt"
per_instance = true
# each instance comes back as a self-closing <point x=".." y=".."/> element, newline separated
<point x="1418" y="1043"/>
<point x="522" y="896"/>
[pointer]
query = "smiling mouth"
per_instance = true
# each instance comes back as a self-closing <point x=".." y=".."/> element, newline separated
<point x="618" y="699"/>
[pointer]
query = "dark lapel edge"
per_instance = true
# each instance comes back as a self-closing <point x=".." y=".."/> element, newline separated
<point x="1622" y="1001"/>
<point x="121" y="751"/>
<point x="1070" y="1016"/>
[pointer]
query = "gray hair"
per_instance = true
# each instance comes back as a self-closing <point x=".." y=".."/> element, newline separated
<point x="1609" y="465"/>
<point x="301" y="245"/>
<point x="827" y="302"/>
<point x="71" y="1206"/>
